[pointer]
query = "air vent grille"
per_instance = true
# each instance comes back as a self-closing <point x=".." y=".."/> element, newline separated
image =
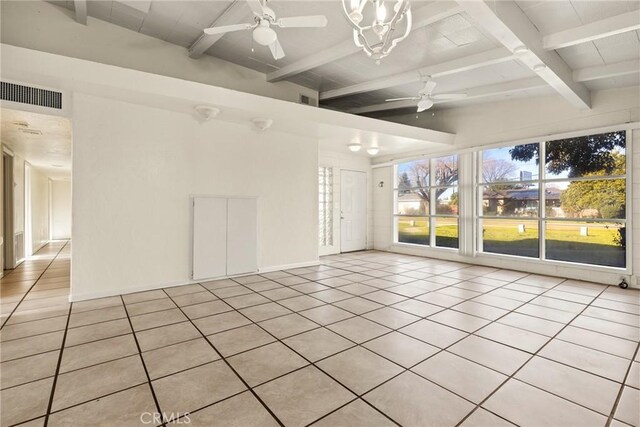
<point x="30" y="95"/>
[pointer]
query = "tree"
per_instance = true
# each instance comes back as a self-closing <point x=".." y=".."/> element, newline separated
<point x="495" y="170"/>
<point x="404" y="183"/>
<point x="579" y="156"/>
<point x="445" y="173"/>
<point x="606" y="197"/>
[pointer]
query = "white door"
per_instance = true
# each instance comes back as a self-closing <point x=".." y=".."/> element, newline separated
<point x="209" y="237"/>
<point x="353" y="211"/>
<point x="242" y="236"/>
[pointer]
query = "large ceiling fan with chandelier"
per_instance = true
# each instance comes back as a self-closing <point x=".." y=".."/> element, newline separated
<point x="264" y="19"/>
<point x="426" y="97"/>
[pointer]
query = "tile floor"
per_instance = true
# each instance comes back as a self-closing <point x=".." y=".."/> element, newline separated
<point x="365" y="339"/>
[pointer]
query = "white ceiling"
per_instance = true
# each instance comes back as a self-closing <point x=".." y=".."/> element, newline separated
<point x="49" y="152"/>
<point x="454" y="37"/>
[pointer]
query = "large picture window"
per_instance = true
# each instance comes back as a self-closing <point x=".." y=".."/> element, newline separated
<point x="571" y="207"/>
<point x="426" y="202"/>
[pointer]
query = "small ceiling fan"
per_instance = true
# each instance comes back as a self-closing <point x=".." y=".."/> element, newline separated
<point x="425" y="97"/>
<point x="264" y="19"/>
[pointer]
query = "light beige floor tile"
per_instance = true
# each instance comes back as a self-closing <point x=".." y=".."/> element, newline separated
<point x="605" y="327"/>
<point x="248" y="300"/>
<point x="36" y="327"/>
<point x="197" y="311"/>
<point x="157" y="319"/>
<point x="168" y="360"/>
<point x="402" y="349"/>
<point x="525" y="405"/>
<point x="480" y="310"/>
<point x="628" y="409"/>
<point x="97" y="331"/>
<point x="514" y="337"/>
<point x="483" y="418"/>
<point x="144" y="296"/>
<point x="150" y="306"/>
<point x="194" y="298"/>
<point x="613" y="316"/>
<point x="413" y="401"/>
<point x="497" y="301"/>
<point x="166" y="335"/>
<point x="357" y="305"/>
<point x="326" y="314"/>
<point x="286" y="326"/>
<point x="433" y="333"/>
<point x="263" y="286"/>
<point x="232" y="291"/>
<point x="633" y="379"/>
<point x="384" y="297"/>
<point x="356" y="413"/>
<point x="606" y="343"/>
<point x="417" y="308"/>
<point x="358" y="289"/>
<point x="125" y="408"/>
<point x="25" y="402"/>
<point x="240" y="339"/>
<point x="546" y="313"/>
<point x="391" y="317"/>
<point x="309" y="287"/>
<point x="221" y="322"/>
<point x="184" y="290"/>
<point x="331" y="295"/>
<point x="467" y="379"/>
<point x="29" y="346"/>
<point x="96" y="316"/>
<point x="95" y="352"/>
<point x="262" y="312"/>
<point x="81" y="385"/>
<point x="265" y="363"/>
<point x="572" y="384"/>
<point x="252" y="278"/>
<point x="280" y="293"/>
<point x="243" y="410"/>
<point x="27" y="369"/>
<point x="302" y="302"/>
<point x="594" y="361"/>
<point x="358" y="329"/>
<point x="359" y="369"/>
<point x="318" y="344"/>
<point x="532" y="324"/>
<point x="95" y="304"/>
<point x="490" y="354"/>
<point x="195" y="388"/>
<point x="21" y="316"/>
<point x="458" y="320"/>
<point x="303" y="396"/>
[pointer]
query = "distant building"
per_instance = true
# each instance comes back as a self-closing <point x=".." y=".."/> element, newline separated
<point x="521" y="202"/>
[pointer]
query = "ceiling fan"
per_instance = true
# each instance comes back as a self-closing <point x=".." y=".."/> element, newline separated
<point x="425" y="97"/>
<point x="264" y="19"/>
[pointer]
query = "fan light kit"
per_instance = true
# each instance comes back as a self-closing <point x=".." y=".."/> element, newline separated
<point x="425" y="97"/>
<point x="264" y="19"/>
<point x="355" y="147"/>
<point x="378" y="37"/>
<point x="373" y="150"/>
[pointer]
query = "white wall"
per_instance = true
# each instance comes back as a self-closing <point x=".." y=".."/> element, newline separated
<point x="45" y="27"/>
<point x="39" y="209"/>
<point x="134" y="169"/>
<point x="509" y="121"/>
<point x="346" y="161"/>
<point x="60" y="209"/>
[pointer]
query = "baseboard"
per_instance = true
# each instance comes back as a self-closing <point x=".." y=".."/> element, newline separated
<point x="75" y="297"/>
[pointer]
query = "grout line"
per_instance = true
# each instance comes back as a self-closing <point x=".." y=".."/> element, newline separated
<point x="57" y="371"/>
<point x="622" y="386"/>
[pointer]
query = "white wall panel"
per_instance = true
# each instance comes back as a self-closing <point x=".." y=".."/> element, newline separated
<point x="209" y="237"/>
<point x="242" y="237"/>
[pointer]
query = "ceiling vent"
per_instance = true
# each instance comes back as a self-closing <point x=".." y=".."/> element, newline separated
<point x="30" y="95"/>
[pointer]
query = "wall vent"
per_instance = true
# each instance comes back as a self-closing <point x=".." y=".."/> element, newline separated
<point x="30" y="95"/>
<point x="307" y="100"/>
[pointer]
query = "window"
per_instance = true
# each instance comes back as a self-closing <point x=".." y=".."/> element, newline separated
<point x="426" y="202"/>
<point x="325" y="200"/>
<point x="570" y="208"/>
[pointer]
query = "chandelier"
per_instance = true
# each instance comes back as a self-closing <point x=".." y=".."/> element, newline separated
<point x="383" y="30"/>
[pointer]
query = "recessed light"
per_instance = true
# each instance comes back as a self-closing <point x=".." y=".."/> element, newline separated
<point x="355" y="147"/>
<point x="373" y="150"/>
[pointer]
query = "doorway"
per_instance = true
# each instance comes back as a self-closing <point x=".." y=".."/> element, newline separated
<point x="353" y="211"/>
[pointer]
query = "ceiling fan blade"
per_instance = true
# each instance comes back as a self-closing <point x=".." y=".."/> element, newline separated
<point x="226" y="29"/>
<point x="256" y="7"/>
<point x="447" y="96"/>
<point x="311" y="21"/>
<point x="429" y="86"/>
<point x="409" y="98"/>
<point x="276" y="50"/>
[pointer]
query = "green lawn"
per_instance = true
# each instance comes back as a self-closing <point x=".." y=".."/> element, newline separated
<point x="564" y="242"/>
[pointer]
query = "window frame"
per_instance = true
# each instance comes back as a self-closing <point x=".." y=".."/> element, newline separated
<point x="542" y="182"/>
